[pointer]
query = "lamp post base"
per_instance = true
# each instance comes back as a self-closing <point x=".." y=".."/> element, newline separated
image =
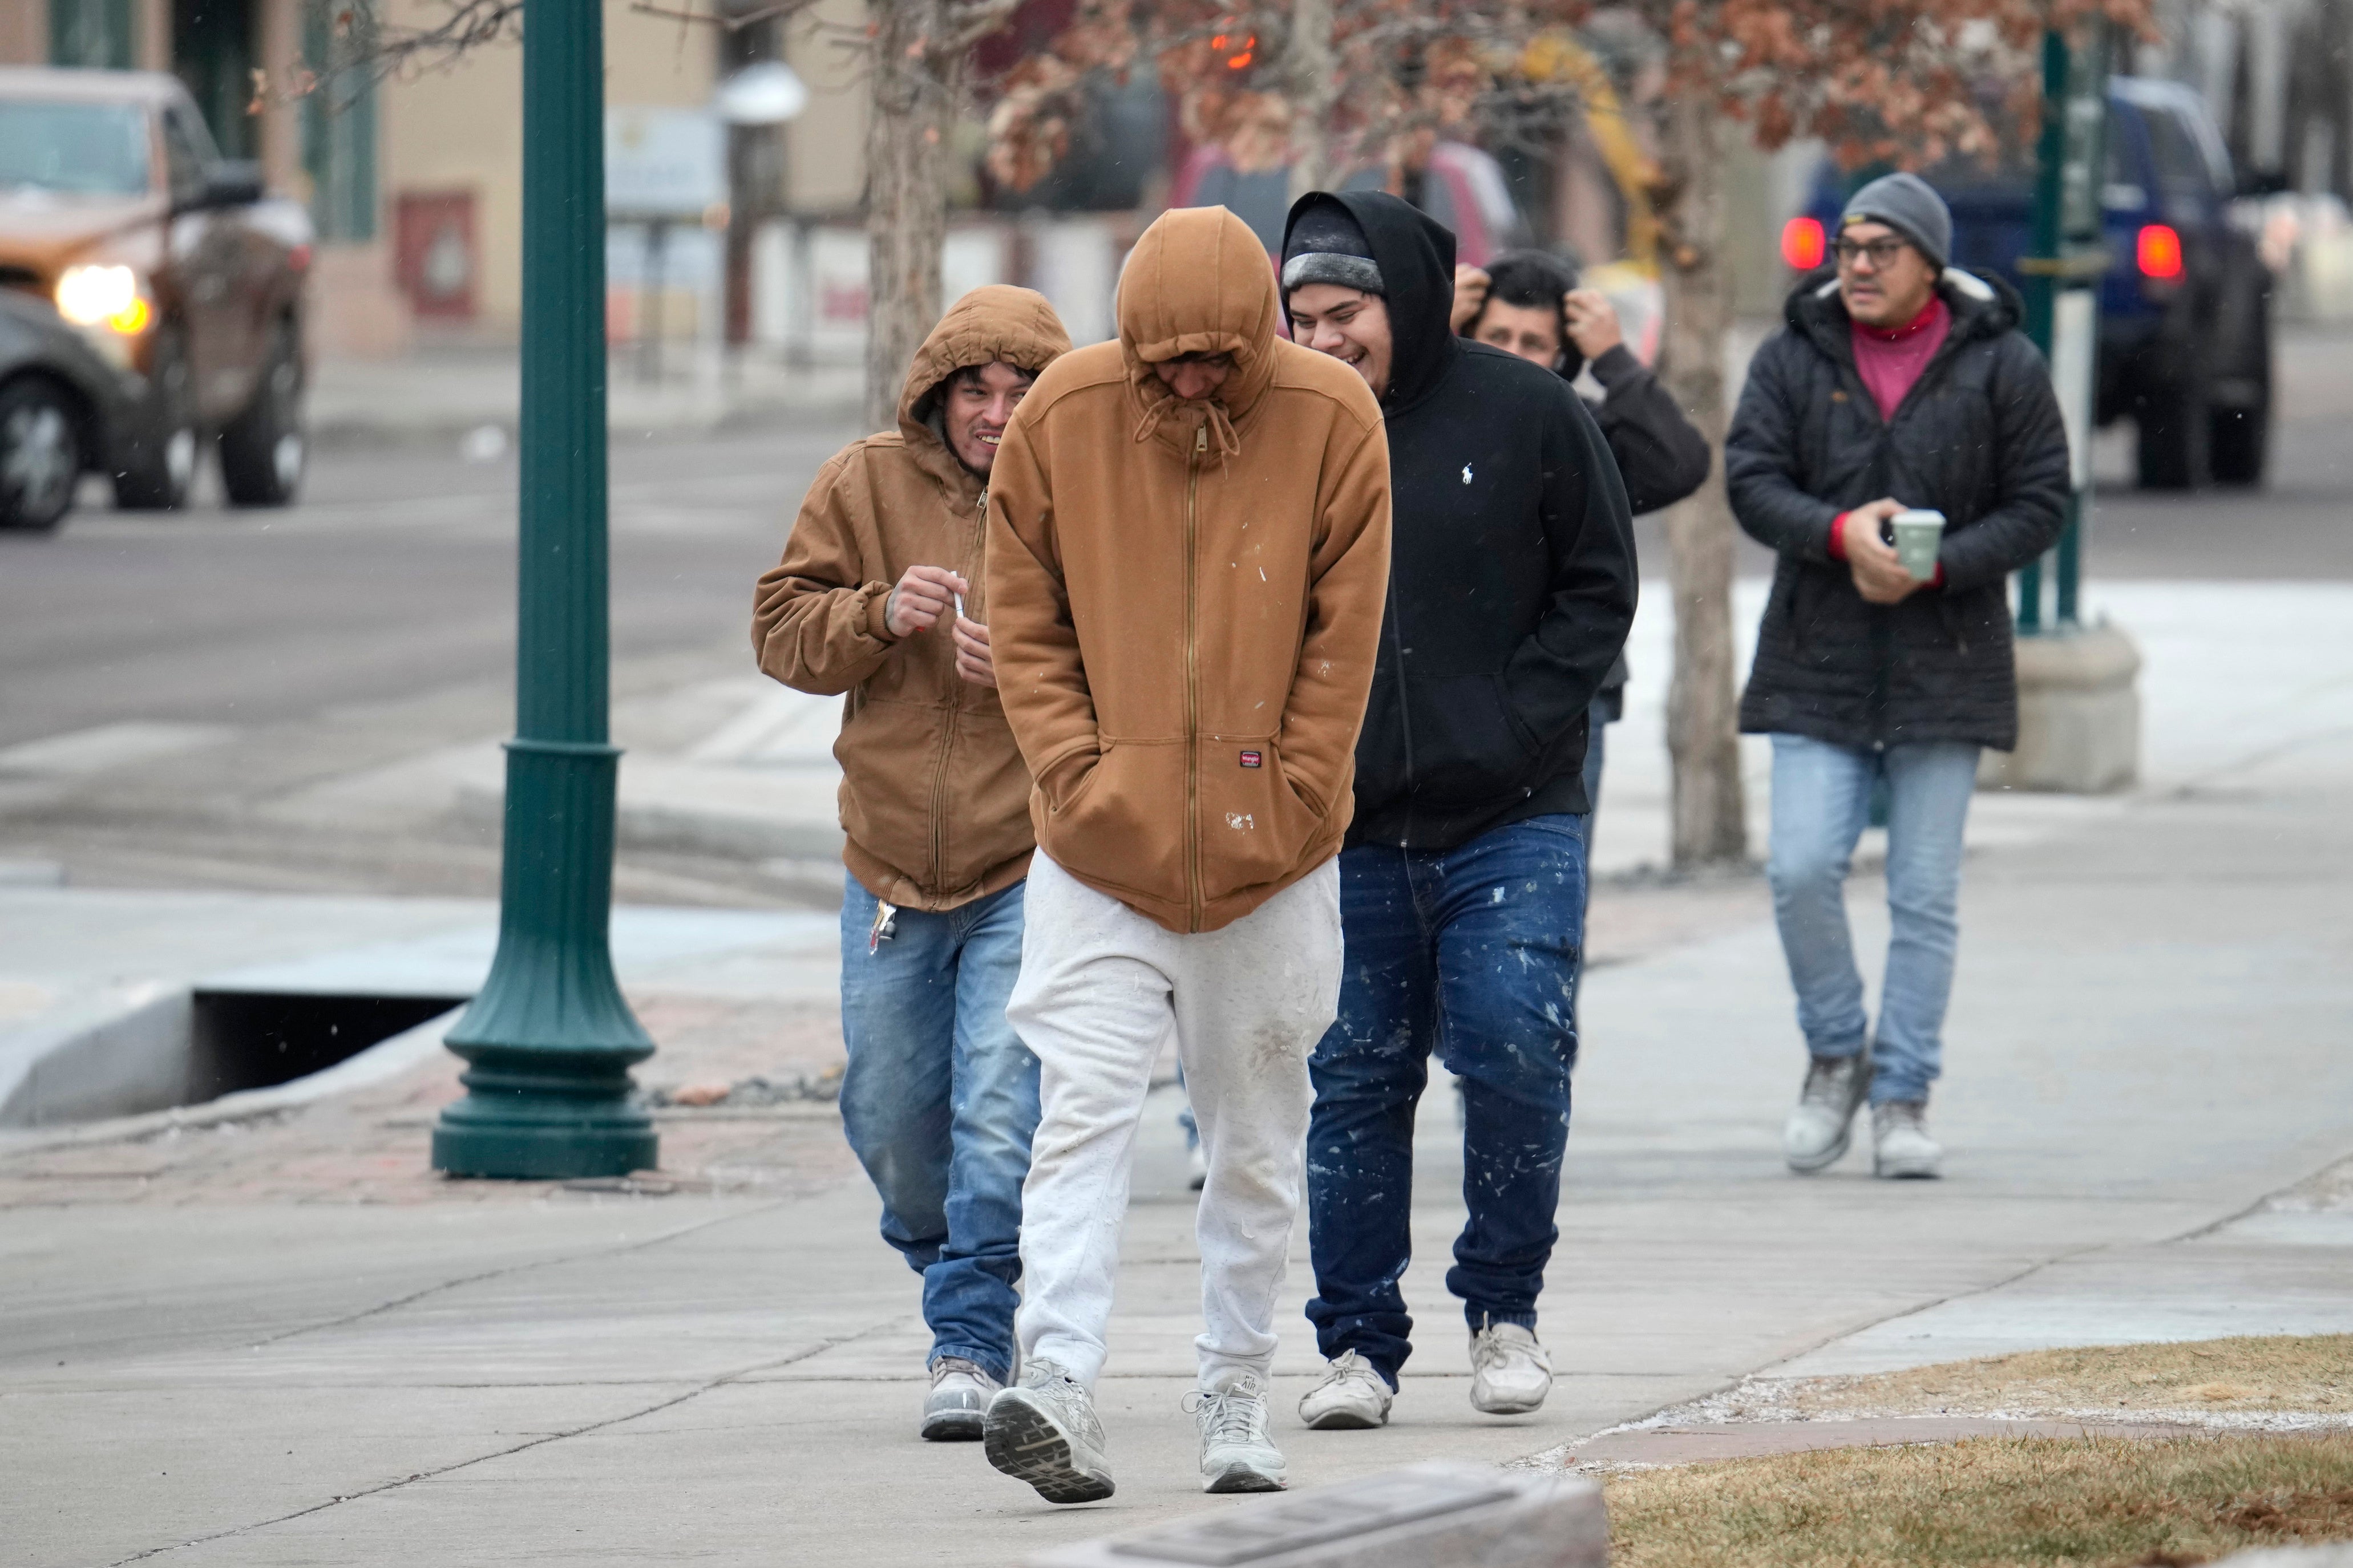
<point x="545" y="1116"/>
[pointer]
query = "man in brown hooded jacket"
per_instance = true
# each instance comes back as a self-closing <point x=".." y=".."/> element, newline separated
<point x="879" y="596"/>
<point x="1188" y="548"/>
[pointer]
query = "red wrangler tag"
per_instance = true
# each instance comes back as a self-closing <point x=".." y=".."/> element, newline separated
<point x="1251" y="760"/>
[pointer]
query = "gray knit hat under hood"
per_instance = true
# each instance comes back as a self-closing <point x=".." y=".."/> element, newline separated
<point x="1911" y="206"/>
<point x="1327" y="245"/>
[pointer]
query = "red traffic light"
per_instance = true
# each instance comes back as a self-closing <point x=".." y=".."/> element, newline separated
<point x="2160" y="251"/>
<point x="1803" y="243"/>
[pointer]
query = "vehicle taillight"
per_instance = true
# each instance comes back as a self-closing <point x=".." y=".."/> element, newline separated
<point x="2160" y="251"/>
<point x="1802" y="245"/>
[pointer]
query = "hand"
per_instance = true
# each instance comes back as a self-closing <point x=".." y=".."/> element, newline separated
<point x="922" y="597"/>
<point x="1470" y="297"/>
<point x="972" y="661"/>
<point x="1879" y="573"/>
<point x="1592" y="322"/>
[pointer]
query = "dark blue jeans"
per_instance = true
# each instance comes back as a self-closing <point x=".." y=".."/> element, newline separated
<point x="1472" y="952"/>
<point x="940" y="1102"/>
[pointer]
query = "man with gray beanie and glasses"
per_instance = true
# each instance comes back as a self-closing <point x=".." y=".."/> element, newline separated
<point x="1898" y="384"/>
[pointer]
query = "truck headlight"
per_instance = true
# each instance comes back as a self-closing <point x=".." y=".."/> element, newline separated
<point x="92" y="296"/>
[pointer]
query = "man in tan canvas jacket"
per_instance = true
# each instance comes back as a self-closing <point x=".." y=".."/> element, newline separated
<point x="880" y="596"/>
<point x="1188" y="550"/>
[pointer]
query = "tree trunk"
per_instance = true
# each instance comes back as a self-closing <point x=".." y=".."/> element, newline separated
<point x="916" y="84"/>
<point x="1709" y="818"/>
<point x="1311" y="81"/>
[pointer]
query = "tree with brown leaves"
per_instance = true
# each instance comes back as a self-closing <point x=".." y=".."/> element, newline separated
<point x="1368" y="82"/>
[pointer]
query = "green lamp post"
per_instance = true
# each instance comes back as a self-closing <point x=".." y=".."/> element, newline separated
<point x="2063" y="279"/>
<point x="549" y="1041"/>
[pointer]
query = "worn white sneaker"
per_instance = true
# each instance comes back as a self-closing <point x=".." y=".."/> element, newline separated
<point x="1900" y="1144"/>
<point x="1196" y="1167"/>
<point x="1510" y="1373"/>
<point x="1351" y="1397"/>
<point x="1818" y="1130"/>
<point x="954" y="1410"/>
<point x="1237" y="1455"/>
<point x="1043" y="1430"/>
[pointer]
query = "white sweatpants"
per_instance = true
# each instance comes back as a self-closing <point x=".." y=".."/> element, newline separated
<point x="1101" y="987"/>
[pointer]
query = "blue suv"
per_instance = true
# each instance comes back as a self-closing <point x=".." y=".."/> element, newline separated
<point x="2185" y="306"/>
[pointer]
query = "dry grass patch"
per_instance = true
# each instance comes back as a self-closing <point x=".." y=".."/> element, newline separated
<point x="2311" y="1374"/>
<point x="1997" y="1502"/>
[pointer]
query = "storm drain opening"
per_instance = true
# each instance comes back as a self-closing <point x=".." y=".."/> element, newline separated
<point x="255" y="1039"/>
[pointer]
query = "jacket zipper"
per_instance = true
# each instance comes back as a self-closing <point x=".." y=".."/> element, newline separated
<point x="1192" y="683"/>
<point x="947" y="736"/>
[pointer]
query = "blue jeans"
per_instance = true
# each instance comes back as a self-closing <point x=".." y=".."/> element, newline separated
<point x="1472" y="952"/>
<point x="1822" y="801"/>
<point x="940" y="1101"/>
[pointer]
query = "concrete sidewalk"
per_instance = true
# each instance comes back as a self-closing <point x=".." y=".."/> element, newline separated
<point x="2147" y="1039"/>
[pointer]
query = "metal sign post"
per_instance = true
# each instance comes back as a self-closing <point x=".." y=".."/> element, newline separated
<point x="2062" y="280"/>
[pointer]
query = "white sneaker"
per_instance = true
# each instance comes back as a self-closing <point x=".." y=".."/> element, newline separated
<point x="1818" y="1130"/>
<point x="1510" y="1373"/>
<point x="954" y="1410"/>
<point x="1197" y="1162"/>
<point x="1043" y="1430"/>
<point x="1900" y="1144"/>
<point x="1351" y="1397"/>
<point x="1237" y="1455"/>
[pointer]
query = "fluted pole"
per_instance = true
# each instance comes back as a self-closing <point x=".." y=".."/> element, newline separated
<point x="549" y="1041"/>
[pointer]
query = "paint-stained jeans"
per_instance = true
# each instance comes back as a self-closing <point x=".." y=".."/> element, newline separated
<point x="1472" y="951"/>
<point x="940" y="1102"/>
<point x="1822" y="801"/>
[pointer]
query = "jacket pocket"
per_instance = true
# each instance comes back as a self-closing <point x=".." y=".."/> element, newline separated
<point x="1122" y="823"/>
<point x="1467" y="750"/>
<point x="891" y="759"/>
<point x="1254" y="823"/>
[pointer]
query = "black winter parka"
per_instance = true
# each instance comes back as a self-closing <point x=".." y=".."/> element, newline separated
<point x="1978" y="437"/>
<point x="1512" y="573"/>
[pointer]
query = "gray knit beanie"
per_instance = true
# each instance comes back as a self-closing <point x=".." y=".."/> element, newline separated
<point x="1327" y="246"/>
<point x="1911" y="206"/>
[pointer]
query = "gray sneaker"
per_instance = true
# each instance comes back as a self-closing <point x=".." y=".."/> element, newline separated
<point x="1900" y="1144"/>
<point x="1237" y="1455"/>
<point x="959" y="1399"/>
<point x="1510" y="1373"/>
<point x="1043" y="1430"/>
<point x="1818" y="1130"/>
<point x="1352" y="1397"/>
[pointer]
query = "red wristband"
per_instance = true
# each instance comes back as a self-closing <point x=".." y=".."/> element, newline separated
<point x="1838" y="536"/>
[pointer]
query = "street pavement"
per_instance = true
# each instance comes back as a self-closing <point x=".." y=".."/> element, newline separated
<point x="2146" y="1041"/>
<point x="278" y="1340"/>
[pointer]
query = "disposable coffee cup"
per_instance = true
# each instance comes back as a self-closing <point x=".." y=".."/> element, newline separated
<point x="1918" y="534"/>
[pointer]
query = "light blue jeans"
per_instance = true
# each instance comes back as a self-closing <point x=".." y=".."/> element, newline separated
<point x="1821" y="800"/>
<point x="940" y="1102"/>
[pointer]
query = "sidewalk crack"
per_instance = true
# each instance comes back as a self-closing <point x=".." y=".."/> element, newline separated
<point x="539" y="1442"/>
<point x="434" y="1290"/>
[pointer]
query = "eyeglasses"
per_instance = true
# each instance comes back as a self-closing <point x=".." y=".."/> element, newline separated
<point x="1881" y="251"/>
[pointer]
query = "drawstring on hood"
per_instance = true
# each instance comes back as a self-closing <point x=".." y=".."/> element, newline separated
<point x="1198" y="283"/>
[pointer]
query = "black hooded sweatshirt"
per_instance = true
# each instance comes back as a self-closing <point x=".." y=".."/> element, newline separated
<point x="1512" y="575"/>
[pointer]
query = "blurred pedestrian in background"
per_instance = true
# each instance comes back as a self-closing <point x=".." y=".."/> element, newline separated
<point x="1899" y="385"/>
<point x="880" y="596"/>
<point x="1527" y="302"/>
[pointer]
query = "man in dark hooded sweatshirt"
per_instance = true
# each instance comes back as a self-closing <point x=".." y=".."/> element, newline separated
<point x="1511" y="587"/>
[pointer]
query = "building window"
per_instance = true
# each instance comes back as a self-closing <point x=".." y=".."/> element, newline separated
<point x="94" y="34"/>
<point x="339" y="123"/>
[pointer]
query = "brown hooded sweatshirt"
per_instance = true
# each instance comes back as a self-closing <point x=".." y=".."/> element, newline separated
<point x="1186" y="596"/>
<point x="935" y="798"/>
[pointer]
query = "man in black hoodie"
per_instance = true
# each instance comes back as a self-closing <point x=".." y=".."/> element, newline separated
<point x="1463" y="885"/>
